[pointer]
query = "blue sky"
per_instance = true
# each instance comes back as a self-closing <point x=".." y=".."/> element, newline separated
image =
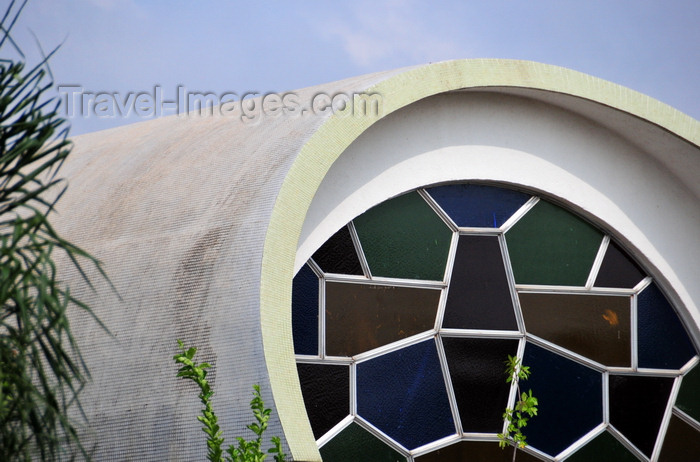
<point x="122" y="46"/>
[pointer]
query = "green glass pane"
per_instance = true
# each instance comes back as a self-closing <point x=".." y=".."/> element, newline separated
<point x="355" y="444"/>
<point x="551" y="246"/>
<point x="603" y="448"/>
<point x="688" y="399"/>
<point x="404" y="238"/>
<point x="361" y="317"/>
<point x="594" y="326"/>
<point x="682" y="442"/>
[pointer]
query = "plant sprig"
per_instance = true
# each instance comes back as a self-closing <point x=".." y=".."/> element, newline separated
<point x="516" y="418"/>
<point x="247" y="451"/>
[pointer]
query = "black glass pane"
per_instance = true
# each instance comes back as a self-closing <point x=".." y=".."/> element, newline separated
<point x="355" y="444"/>
<point x="663" y="342"/>
<point x="476" y="369"/>
<point x="570" y="399"/>
<point x="478" y="296"/>
<point x="618" y="269"/>
<point x="338" y="254"/>
<point x="478" y="206"/>
<point x="403" y="394"/>
<point x="603" y="448"/>
<point x="594" y="326"/>
<point x="682" y="442"/>
<point x="326" y="391"/>
<point x="637" y="406"/>
<point x="688" y="399"/>
<point x="305" y="312"/>
<point x="476" y="451"/>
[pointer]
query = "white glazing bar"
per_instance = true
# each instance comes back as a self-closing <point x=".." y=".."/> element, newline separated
<point x="512" y="395"/>
<point x="690" y="364"/>
<point x="642" y="284"/>
<point x="331" y="360"/>
<point x="547" y="345"/>
<point x="519" y="319"/>
<point x="339" y="427"/>
<point x="686" y="418"/>
<point x="382" y="350"/>
<point x="358" y="249"/>
<point x="448" y="275"/>
<point x="627" y="443"/>
<point x="606" y="397"/>
<point x="666" y="419"/>
<point x="519" y="213"/>
<point x="598" y="261"/>
<point x="581" y="442"/>
<point x="437" y="209"/>
<point x="381" y="436"/>
<point x="435" y="445"/>
<point x="573" y="290"/>
<point x="451" y="397"/>
<point x="353" y="388"/>
<point x="634" y="339"/>
<point x="322" y="318"/>
<point x="479" y="231"/>
<point x="474" y="333"/>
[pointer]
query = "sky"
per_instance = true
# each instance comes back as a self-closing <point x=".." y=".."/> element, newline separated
<point x="126" y="47"/>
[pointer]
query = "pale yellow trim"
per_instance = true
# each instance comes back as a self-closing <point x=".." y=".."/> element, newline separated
<point x="336" y="134"/>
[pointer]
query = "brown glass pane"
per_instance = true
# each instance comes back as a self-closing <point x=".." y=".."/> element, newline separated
<point x="479" y="297"/>
<point x="594" y="326"/>
<point x="618" y="269"/>
<point x="360" y="317"/>
<point x="476" y="451"/>
<point x="682" y="442"/>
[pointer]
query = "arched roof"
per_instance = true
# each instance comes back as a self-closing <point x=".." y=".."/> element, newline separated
<point x="198" y="221"/>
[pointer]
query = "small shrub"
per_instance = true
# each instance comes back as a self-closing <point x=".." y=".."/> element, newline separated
<point x="247" y="451"/>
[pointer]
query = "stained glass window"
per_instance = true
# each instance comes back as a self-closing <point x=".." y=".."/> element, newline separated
<point x="403" y="319"/>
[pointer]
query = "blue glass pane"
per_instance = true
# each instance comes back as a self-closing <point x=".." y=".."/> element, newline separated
<point x="663" y="342"/>
<point x="403" y="394"/>
<point x="478" y="206"/>
<point x="305" y="312"/>
<point x="570" y="399"/>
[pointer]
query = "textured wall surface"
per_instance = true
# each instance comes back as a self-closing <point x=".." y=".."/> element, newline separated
<point x="197" y="221"/>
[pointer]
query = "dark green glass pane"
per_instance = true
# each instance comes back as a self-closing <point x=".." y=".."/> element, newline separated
<point x="570" y="399"/>
<point x="637" y="406"/>
<point x="326" y="391"/>
<point x="476" y="451"/>
<point x="360" y="317"/>
<point x="552" y="246"/>
<point x="355" y="444"/>
<point x="595" y="326"/>
<point x="682" y="442"/>
<point x="618" y="269"/>
<point x="305" y="312"/>
<point x="478" y="206"/>
<point x="476" y="370"/>
<point x="403" y="394"/>
<point x="688" y="399"/>
<point x="603" y="448"/>
<point x="338" y="255"/>
<point x="479" y="295"/>
<point x="404" y="238"/>
<point x="663" y="342"/>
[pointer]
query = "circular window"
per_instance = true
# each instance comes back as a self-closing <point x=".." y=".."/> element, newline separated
<point x="403" y="321"/>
